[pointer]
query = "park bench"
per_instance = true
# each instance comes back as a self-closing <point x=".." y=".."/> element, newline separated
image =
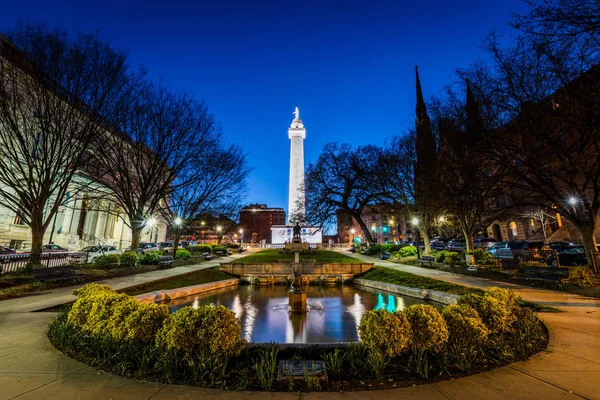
<point x="385" y="256"/>
<point x="55" y="273"/>
<point x="166" y="261"/>
<point x="426" y="260"/>
<point x="207" y="256"/>
<point x="219" y="252"/>
<point x="543" y="273"/>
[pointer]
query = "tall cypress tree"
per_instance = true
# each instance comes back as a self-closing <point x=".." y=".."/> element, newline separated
<point x="425" y="167"/>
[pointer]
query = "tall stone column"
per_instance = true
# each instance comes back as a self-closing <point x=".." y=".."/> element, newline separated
<point x="296" y="206"/>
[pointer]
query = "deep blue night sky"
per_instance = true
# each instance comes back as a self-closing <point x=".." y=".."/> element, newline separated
<point x="348" y="65"/>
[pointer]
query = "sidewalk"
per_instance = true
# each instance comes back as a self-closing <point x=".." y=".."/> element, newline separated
<point x="30" y="368"/>
<point x="63" y="295"/>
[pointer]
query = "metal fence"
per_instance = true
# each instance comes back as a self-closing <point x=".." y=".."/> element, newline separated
<point x="510" y="259"/>
<point x="15" y="262"/>
<point x="282" y="246"/>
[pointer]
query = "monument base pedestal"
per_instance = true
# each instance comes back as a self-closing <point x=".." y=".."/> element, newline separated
<point x="297" y="301"/>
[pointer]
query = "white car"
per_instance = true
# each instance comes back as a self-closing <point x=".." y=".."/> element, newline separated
<point x="87" y="254"/>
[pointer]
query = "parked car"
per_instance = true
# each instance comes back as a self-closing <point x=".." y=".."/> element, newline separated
<point x="49" y="248"/>
<point x="483" y="242"/>
<point x="88" y="254"/>
<point x="438" y="245"/>
<point x="520" y="250"/>
<point x="571" y="257"/>
<point x="456" y="245"/>
<point x="563" y="246"/>
<point x="144" y="247"/>
<point x="168" y="245"/>
<point x="6" y="250"/>
<point x="186" y="243"/>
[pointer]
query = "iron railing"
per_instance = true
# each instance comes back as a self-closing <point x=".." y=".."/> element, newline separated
<point x="15" y="262"/>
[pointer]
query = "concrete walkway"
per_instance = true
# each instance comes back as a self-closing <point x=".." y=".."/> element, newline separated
<point x="30" y="368"/>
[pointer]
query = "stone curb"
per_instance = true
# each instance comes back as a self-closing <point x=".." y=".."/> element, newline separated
<point x="423" y="294"/>
<point x="162" y="295"/>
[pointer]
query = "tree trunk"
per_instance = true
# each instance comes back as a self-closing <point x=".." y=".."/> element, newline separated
<point x="37" y="238"/>
<point x="136" y="232"/>
<point x="364" y="229"/>
<point x="425" y="235"/>
<point x="219" y="237"/>
<point x="469" y="240"/>
<point x="176" y="242"/>
<point x="589" y="243"/>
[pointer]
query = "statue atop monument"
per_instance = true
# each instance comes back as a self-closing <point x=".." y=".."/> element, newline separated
<point x="297" y="230"/>
<point x="297" y="113"/>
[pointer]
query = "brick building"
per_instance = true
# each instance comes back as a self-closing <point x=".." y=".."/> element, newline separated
<point x="257" y="219"/>
<point x="387" y="223"/>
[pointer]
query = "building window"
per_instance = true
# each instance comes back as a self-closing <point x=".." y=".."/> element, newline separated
<point x="513" y="229"/>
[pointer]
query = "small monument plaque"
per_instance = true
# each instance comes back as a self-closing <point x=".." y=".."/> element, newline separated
<point x="299" y="369"/>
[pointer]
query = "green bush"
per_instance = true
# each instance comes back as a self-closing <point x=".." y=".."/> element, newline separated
<point x="392" y="247"/>
<point x="232" y="246"/>
<point x="130" y="258"/>
<point x="183" y="254"/>
<point x="201" y="248"/>
<point x="482" y="256"/>
<point x="507" y="296"/>
<point x="384" y="332"/>
<point x="495" y="314"/>
<point x="440" y="256"/>
<point x="407" y="251"/>
<point x="428" y="328"/>
<point x="453" y="258"/>
<point x="465" y="327"/>
<point x="151" y="257"/>
<point x="91" y="289"/>
<point x="374" y="250"/>
<point x="107" y="261"/>
<point x="138" y="323"/>
<point x="216" y="248"/>
<point x="205" y="332"/>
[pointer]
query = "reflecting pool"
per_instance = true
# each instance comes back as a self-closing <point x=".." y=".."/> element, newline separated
<point x="334" y="316"/>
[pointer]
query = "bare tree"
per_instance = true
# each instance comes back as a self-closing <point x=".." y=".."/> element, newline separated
<point x="162" y="134"/>
<point x="343" y="178"/>
<point x="57" y="94"/>
<point x="543" y="217"/>
<point x="545" y="96"/>
<point x="216" y="183"/>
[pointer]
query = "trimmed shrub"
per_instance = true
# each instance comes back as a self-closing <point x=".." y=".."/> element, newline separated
<point x="407" y="251"/>
<point x="130" y="258"/>
<point x="139" y="323"/>
<point x="384" y="332"/>
<point x="465" y="327"/>
<point x="428" y="327"/>
<point x="107" y="261"/>
<point x="507" y="296"/>
<point x="232" y="246"/>
<point x="206" y="332"/>
<point x="104" y="306"/>
<point x="200" y="248"/>
<point x="151" y="257"/>
<point x="216" y="248"/>
<point x="482" y="256"/>
<point x="374" y="250"/>
<point x="183" y="254"/>
<point x="91" y="289"/>
<point x="495" y="314"/>
<point x="453" y="257"/>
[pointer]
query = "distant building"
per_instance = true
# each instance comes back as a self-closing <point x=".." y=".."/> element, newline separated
<point x="387" y="223"/>
<point x="257" y="220"/>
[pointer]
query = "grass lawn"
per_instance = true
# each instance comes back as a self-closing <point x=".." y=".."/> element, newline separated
<point x="193" y="278"/>
<point x="320" y="256"/>
<point x="388" y="275"/>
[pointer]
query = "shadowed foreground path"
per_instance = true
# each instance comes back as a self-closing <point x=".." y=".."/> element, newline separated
<point x="30" y="368"/>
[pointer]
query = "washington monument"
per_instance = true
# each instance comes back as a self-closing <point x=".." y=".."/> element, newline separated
<point x="296" y="207"/>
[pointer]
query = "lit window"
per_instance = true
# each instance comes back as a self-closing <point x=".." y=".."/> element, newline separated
<point x="513" y="229"/>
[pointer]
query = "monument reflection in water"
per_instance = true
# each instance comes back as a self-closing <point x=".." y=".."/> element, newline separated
<point x="264" y="316"/>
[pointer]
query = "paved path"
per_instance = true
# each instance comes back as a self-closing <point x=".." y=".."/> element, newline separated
<point x="30" y="368"/>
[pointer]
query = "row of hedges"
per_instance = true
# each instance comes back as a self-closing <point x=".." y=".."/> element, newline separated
<point x="478" y="327"/>
<point x="204" y="346"/>
<point x="377" y="249"/>
<point x="132" y="258"/>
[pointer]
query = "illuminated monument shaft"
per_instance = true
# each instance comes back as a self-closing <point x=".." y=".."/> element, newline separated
<point x="296" y="206"/>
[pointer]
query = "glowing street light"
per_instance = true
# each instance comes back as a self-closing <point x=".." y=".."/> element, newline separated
<point x="178" y="221"/>
<point x="415" y="221"/>
<point x="241" y="231"/>
<point x="202" y="223"/>
<point x="219" y="228"/>
<point x="442" y="219"/>
<point x="573" y="201"/>
<point x="150" y="222"/>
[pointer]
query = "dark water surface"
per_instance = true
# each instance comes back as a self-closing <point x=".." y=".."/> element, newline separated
<point x="334" y="315"/>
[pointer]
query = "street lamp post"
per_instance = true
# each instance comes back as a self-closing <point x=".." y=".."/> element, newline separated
<point x="218" y="229"/>
<point x="241" y="236"/>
